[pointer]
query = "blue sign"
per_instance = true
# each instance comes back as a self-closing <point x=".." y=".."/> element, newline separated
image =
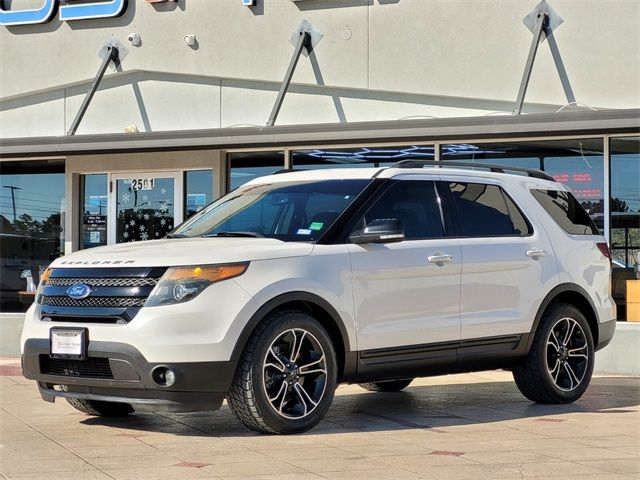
<point x="78" y="291"/>
<point x="68" y="11"/>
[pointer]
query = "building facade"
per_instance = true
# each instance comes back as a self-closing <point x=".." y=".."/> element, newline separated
<point x="181" y="117"/>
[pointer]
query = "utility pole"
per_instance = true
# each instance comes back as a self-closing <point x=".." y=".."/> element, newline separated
<point x="13" y="198"/>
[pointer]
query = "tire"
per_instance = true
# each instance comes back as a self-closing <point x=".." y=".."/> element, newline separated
<point x="99" y="408"/>
<point x="269" y="397"/>
<point x="559" y="365"/>
<point x="387" y="386"/>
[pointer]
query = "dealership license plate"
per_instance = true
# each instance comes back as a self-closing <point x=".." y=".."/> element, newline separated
<point x="68" y="343"/>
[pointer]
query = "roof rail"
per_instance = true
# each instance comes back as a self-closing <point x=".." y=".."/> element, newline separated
<point x="494" y="168"/>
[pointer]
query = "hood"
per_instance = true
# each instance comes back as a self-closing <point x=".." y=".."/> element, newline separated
<point x="184" y="251"/>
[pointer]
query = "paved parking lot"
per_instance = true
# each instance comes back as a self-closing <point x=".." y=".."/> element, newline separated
<point x="474" y="426"/>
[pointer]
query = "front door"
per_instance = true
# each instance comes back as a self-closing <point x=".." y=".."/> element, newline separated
<point x="407" y="294"/>
<point x="144" y="206"/>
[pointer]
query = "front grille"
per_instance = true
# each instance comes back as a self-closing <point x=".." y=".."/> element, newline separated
<point x="89" y="368"/>
<point x="104" y="282"/>
<point x="117" y="293"/>
<point x="94" y="302"/>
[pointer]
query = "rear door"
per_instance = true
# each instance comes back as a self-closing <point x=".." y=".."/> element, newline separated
<point x="507" y="263"/>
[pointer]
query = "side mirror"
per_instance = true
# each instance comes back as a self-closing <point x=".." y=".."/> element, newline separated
<point x="382" y="230"/>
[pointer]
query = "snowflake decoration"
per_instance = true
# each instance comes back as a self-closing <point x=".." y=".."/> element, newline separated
<point x="144" y="236"/>
<point x="125" y="234"/>
<point x="142" y="229"/>
<point x="164" y="207"/>
<point x="163" y="222"/>
<point x="163" y="191"/>
<point x="157" y="234"/>
<point x="135" y="209"/>
<point x="126" y="226"/>
<point x="169" y="227"/>
<point x="132" y="223"/>
<point x="146" y="216"/>
<point x="125" y="197"/>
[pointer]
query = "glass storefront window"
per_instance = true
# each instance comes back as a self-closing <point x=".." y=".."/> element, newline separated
<point x="578" y="163"/>
<point x="32" y="207"/>
<point x="198" y="188"/>
<point x="360" y="157"/>
<point x="244" y="167"/>
<point x="625" y="200"/>
<point x="94" y="216"/>
<point x="625" y="219"/>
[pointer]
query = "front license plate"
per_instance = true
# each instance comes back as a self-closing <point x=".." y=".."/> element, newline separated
<point x="68" y="343"/>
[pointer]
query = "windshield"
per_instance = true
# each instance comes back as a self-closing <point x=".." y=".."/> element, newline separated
<point x="289" y="211"/>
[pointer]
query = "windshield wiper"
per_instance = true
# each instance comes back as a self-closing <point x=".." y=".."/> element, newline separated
<point x="176" y="235"/>
<point x="234" y="234"/>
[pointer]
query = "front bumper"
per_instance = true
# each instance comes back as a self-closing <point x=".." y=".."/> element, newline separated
<point x="126" y="376"/>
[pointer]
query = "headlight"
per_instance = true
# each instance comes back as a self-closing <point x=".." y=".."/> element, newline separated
<point x="41" y="283"/>
<point x="181" y="284"/>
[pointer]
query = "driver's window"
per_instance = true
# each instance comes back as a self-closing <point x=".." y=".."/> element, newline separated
<point x="415" y="204"/>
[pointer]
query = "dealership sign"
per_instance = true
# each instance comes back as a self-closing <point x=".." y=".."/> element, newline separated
<point x="70" y="10"/>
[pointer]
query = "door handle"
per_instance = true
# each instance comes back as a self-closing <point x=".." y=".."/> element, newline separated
<point x="440" y="259"/>
<point x="536" y="253"/>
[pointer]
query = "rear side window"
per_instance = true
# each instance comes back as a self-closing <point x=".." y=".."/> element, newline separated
<point x="487" y="211"/>
<point x="566" y="211"/>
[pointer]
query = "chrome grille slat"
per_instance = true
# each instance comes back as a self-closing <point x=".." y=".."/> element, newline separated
<point x="94" y="302"/>
<point x="103" y="282"/>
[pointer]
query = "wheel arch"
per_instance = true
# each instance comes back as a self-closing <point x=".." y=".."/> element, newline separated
<point x="307" y="302"/>
<point x="573" y="295"/>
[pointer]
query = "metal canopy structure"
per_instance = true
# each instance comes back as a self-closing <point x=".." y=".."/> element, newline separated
<point x="110" y="53"/>
<point x="595" y="123"/>
<point x="542" y="21"/>
<point x="304" y="39"/>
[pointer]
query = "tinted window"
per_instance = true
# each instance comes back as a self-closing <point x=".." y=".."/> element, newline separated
<point x="415" y="204"/>
<point x="486" y="211"/>
<point x="566" y="211"/>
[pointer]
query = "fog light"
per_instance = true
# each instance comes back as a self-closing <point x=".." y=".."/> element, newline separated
<point x="163" y="376"/>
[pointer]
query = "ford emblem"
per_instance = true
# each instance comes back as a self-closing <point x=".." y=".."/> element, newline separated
<point x="78" y="291"/>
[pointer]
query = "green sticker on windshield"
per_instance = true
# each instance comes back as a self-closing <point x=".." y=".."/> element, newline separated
<point x="316" y="226"/>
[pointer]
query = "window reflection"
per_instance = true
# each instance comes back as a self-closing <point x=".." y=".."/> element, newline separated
<point x="198" y="187"/>
<point x="244" y="167"/>
<point x="359" y="157"/>
<point x="577" y="163"/>
<point x="31" y="226"/>
<point x="625" y="201"/>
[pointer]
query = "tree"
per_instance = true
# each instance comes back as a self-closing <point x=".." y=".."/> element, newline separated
<point x="618" y="205"/>
<point x="26" y="224"/>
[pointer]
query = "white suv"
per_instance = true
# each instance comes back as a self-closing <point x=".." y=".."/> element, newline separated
<point x="296" y="282"/>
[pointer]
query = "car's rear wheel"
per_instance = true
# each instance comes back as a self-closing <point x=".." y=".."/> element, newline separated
<point x="560" y="363"/>
<point x="100" y="408"/>
<point x="387" y="386"/>
<point x="286" y="378"/>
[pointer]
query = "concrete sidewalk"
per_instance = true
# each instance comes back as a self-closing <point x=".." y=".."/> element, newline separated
<point x="474" y="426"/>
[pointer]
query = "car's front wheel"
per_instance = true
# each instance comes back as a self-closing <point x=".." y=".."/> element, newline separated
<point x="286" y="378"/>
<point x="560" y="363"/>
